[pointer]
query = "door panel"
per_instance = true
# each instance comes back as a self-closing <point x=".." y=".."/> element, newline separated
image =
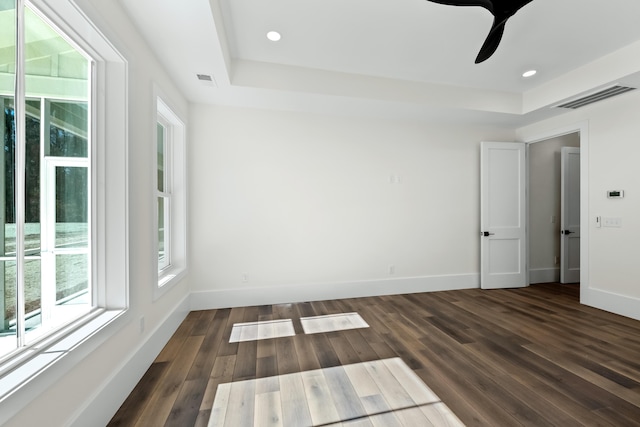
<point x="508" y="261"/>
<point x="570" y="216"/>
<point x="503" y="215"/>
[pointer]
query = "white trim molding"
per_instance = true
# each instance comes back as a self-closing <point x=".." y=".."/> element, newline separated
<point x="241" y="297"/>
<point x="106" y="401"/>
<point x="614" y="303"/>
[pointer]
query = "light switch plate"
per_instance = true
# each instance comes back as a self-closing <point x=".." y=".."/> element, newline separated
<point x="612" y="222"/>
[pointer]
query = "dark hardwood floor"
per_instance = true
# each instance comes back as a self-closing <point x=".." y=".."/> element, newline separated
<point x="531" y="356"/>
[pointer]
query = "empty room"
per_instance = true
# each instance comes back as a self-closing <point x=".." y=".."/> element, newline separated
<point x="305" y="213"/>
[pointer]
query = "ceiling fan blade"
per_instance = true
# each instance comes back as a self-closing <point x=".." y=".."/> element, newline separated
<point x="491" y="43"/>
<point x="501" y="10"/>
<point x="487" y="4"/>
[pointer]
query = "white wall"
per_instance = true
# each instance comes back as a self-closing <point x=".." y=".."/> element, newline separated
<point x="612" y="151"/>
<point x="304" y="206"/>
<point x="92" y="390"/>
<point x="544" y="203"/>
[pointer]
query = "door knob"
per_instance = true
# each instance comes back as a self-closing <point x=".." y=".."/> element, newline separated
<point x="486" y="234"/>
<point x="566" y="232"/>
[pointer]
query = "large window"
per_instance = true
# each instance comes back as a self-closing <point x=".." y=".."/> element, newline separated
<point x="170" y="193"/>
<point x="45" y="180"/>
<point x="63" y="193"/>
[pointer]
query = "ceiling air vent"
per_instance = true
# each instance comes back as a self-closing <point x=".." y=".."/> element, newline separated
<point x="595" y="97"/>
<point x="206" y="79"/>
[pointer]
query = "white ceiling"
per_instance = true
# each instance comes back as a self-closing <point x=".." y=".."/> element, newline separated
<point x="392" y="58"/>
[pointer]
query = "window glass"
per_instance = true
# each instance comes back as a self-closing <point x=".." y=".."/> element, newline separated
<point x="68" y="129"/>
<point x="163" y="258"/>
<point x="161" y="156"/>
<point x="164" y="213"/>
<point x="72" y="207"/>
<point x="8" y="288"/>
<point x="55" y="287"/>
<point x="72" y="279"/>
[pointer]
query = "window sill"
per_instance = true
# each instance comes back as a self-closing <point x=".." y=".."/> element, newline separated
<point x="31" y="372"/>
<point x="168" y="279"/>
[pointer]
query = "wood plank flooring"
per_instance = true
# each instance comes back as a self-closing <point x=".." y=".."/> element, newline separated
<point x="531" y="356"/>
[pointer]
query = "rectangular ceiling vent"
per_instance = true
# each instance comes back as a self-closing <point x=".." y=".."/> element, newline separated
<point x="206" y="79"/>
<point x="595" y="97"/>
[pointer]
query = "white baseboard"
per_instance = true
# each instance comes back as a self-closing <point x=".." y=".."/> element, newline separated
<point x="107" y="400"/>
<point x="611" y="302"/>
<point x="224" y="298"/>
<point x="544" y="275"/>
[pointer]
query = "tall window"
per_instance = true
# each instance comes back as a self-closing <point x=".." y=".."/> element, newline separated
<point x="170" y="195"/>
<point x="45" y="179"/>
<point x="63" y="194"/>
<point x="164" y="194"/>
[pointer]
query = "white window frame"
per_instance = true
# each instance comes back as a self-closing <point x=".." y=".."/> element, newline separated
<point x="166" y="193"/>
<point x="26" y="375"/>
<point x="175" y="190"/>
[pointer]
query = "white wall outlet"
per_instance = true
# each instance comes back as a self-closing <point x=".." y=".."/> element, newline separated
<point x="553" y="219"/>
<point x="392" y="270"/>
<point x="141" y="325"/>
<point x="556" y="260"/>
<point x="245" y="277"/>
<point x="598" y="221"/>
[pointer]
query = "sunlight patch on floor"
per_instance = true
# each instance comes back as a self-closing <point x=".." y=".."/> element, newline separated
<point x="382" y="393"/>
<point x="332" y="322"/>
<point x="254" y="331"/>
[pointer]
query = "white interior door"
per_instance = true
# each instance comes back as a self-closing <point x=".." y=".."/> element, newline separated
<point x="503" y="215"/>
<point x="570" y="216"/>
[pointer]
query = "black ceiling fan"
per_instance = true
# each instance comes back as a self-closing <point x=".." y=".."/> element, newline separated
<point x="501" y="10"/>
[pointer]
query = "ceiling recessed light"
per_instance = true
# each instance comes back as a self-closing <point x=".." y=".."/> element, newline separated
<point x="274" y="36"/>
<point x="529" y="73"/>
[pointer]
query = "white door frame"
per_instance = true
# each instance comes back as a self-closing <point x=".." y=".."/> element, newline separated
<point x="582" y="128"/>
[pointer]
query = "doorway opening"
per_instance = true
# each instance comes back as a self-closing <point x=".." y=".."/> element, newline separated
<point x="579" y="131"/>
<point x="554" y="256"/>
